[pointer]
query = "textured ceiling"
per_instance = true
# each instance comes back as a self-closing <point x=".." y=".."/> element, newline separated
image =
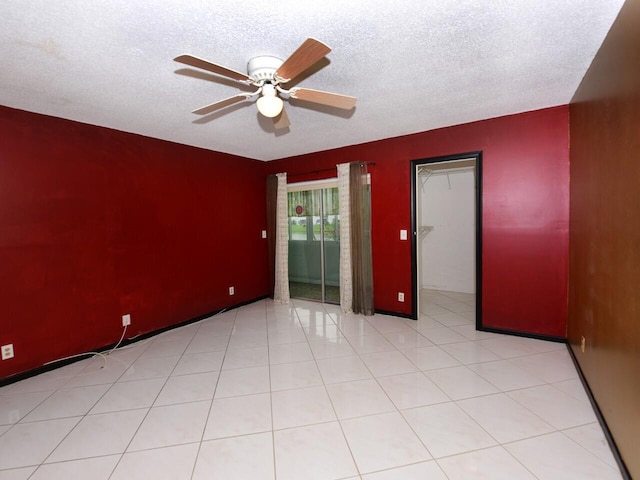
<point x="414" y="65"/>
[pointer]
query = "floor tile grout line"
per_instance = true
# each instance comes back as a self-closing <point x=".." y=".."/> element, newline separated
<point x="20" y="421"/>
<point x="273" y="433"/>
<point x="500" y="391"/>
<point x="546" y="382"/>
<point x="397" y="410"/>
<point x="503" y="445"/>
<point x="344" y="436"/>
<point x="151" y="406"/>
<point x="213" y="397"/>
<point x="469" y="416"/>
<point x="563" y="432"/>
<point x="82" y="417"/>
<point x="475" y="450"/>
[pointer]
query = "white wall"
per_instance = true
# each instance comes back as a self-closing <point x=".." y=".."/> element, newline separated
<point x="447" y="253"/>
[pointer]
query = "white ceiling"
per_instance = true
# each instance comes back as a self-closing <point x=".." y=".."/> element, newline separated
<point x="414" y="65"/>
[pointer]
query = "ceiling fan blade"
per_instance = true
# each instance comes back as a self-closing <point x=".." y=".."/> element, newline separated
<point x="282" y="120"/>
<point x="221" y="104"/>
<point x="306" y="55"/>
<point x="337" y="100"/>
<point x="212" y="67"/>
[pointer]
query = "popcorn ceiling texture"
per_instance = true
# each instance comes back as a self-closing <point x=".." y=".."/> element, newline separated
<point x="414" y="65"/>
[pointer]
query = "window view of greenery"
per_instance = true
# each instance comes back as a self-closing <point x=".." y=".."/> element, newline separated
<point x="304" y="215"/>
<point x="314" y="260"/>
<point x="299" y="229"/>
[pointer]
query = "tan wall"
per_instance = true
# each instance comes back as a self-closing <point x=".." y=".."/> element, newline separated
<point x="604" y="246"/>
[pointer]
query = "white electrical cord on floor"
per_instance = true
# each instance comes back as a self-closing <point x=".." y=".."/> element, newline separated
<point x="119" y="341"/>
<point x="95" y="354"/>
<point x="124" y="331"/>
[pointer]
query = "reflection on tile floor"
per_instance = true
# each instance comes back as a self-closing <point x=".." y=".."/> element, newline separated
<point x="303" y="391"/>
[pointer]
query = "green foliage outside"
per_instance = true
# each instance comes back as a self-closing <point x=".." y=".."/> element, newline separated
<point x="329" y="229"/>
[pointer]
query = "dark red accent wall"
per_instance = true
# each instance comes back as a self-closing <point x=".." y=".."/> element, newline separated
<point x="96" y="223"/>
<point x="525" y="212"/>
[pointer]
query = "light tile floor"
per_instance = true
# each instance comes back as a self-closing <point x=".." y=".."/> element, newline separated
<point x="302" y="391"/>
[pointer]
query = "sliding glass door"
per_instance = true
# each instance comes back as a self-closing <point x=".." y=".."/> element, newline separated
<point x="314" y="244"/>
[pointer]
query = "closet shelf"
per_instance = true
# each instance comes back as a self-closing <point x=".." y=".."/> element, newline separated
<point x="424" y="230"/>
<point x="425" y="172"/>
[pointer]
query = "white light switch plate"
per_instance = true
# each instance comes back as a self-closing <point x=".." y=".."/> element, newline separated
<point x="7" y="351"/>
<point x="403" y="234"/>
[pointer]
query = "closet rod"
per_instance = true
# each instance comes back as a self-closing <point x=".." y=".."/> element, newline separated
<point x="445" y="170"/>
<point x="322" y="170"/>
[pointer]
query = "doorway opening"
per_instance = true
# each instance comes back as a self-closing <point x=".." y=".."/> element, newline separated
<point x="314" y="241"/>
<point x="446" y="216"/>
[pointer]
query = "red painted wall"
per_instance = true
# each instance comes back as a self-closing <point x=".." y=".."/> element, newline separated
<point x="96" y="223"/>
<point x="525" y="212"/>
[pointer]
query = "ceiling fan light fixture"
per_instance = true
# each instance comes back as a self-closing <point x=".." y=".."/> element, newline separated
<point x="269" y="104"/>
<point x="268" y="74"/>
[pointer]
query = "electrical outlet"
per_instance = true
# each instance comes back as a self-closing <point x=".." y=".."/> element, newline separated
<point x="232" y="291"/>
<point x="7" y="351"/>
<point x="126" y="320"/>
<point x="264" y="234"/>
<point x="400" y="297"/>
<point x="583" y="344"/>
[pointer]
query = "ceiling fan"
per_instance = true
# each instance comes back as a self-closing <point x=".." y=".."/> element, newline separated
<point x="269" y="74"/>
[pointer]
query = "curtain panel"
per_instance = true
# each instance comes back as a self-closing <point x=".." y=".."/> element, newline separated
<point x="272" y="199"/>
<point x="346" y="285"/>
<point x="281" y="264"/>
<point x="361" y="258"/>
<point x="356" y="272"/>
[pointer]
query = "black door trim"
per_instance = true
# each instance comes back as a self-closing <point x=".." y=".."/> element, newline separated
<point x="477" y="156"/>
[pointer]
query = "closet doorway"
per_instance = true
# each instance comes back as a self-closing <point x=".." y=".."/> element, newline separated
<point x="314" y="241"/>
<point x="446" y="242"/>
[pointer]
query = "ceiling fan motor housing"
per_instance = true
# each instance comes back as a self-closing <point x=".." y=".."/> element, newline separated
<point x="268" y="73"/>
<point x="263" y="67"/>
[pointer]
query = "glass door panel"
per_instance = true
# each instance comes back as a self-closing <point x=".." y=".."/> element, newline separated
<point x="314" y="245"/>
<point x="331" y="245"/>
